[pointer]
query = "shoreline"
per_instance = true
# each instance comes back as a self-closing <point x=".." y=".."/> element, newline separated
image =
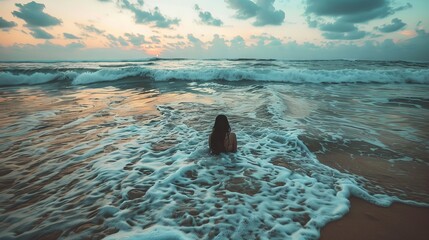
<point x="368" y="221"/>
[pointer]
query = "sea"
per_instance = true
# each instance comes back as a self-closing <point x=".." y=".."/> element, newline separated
<point x="119" y="149"/>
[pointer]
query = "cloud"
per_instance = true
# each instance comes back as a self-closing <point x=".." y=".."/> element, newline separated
<point x="266" y="40"/>
<point x="263" y="11"/>
<point x="341" y="7"/>
<point x="116" y="41"/>
<point x="207" y="18"/>
<point x="154" y="17"/>
<point x="245" y="9"/>
<point x="70" y="36"/>
<point x="136" y="39"/>
<point x="395" y="25"/>
<point x="32" y="13"/>
<point x="345" y="14"/>
<point x="75" y="45"/>
<point x="238" y="42"/>
<point x="195" y="41"/>
<point x="90" y="28"/>
<point x="353" y="11"/>
<point x="40" y="33"/>
<point x="219" y="44"/>
<point x="6" y="24"/>
<point x="73" y="51"/>
<point x="413" y="49"/>
<point x="155" y="39"/>
<point x="353" y="35"/>
<point x="338" y="27"/>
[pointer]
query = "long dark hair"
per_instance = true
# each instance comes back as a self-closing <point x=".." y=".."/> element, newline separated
<point x="220" y="129"/>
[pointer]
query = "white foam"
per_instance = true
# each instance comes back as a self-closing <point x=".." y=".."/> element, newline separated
<point x="158" y="233"/>
<point x="105" y="75"/>
<point x="292" y="75"/>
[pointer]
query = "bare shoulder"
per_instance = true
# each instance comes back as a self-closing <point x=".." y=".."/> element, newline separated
<point x="233" y="138"/>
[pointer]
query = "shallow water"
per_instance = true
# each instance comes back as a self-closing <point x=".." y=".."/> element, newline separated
<point x="130" y="158"/>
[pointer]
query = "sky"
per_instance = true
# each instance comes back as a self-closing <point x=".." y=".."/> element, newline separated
<point x="279" y="29"/>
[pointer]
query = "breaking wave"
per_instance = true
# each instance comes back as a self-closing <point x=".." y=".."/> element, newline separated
<point x="298" y="73"/>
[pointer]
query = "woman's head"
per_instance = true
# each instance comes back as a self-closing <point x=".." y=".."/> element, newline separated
<point x="221" y="124"/>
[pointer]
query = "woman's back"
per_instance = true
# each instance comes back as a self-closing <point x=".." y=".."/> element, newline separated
<point x="229" y="143"/>
<point x="222" y="139"/>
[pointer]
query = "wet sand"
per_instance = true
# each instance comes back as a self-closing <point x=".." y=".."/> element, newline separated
<point x="368" y="221"/>
<point x="405" y="179"/>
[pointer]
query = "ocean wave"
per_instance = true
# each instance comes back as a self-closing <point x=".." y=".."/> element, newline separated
<point x="105" y="75"/>
<point x="284" y="75"/>
<point x="12" y="79"/>
<point x="275" y="74"/>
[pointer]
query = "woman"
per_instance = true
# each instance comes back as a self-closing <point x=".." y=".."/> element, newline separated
<point x="222" y="139"/>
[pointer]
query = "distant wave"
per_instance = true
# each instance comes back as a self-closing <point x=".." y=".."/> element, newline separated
<point x="277" y="74"/>
<point x="11" y="79"/>
<point x="252" y="59"/>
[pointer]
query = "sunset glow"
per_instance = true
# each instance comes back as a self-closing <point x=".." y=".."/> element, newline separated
<point x="133" y="29"/>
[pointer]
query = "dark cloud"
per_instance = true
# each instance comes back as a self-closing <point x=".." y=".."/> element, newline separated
<point x="353" y="11"/>
<point x="70" y="36"/>
<point x="32" y="13"/>
<point x="40" y="33"/>
<point x="90" y="28"/>
<point x="136" y="39"/>
<point x="6" y="24"/>
<point x="263" y="11"/>
<point x="245" y="9"/>
<point x="116" y="41"/>
<point x="347" y="13"/>
<point x="311" y="23"/>
<point x="343" y="7"/>
<point x="148" y="17"/>
<point x="395" y="25"/>
<point x="207" y="18"/>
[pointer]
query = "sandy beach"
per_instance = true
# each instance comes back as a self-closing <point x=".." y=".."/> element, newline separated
<point x="368" y="221"/>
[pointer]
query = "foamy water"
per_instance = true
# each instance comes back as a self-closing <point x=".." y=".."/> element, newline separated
<point x="127" y="157"/>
